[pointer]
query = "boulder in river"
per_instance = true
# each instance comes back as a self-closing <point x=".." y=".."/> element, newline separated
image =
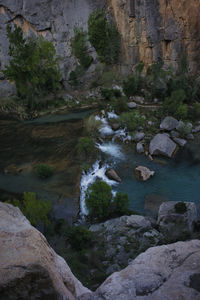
<point x="143" y="173"/>
<point x="138" y="136"/>
<point x="169" y="123"/>
<point x="176" y="225"/>
<point x="140" y="148"/>
<point x="161" y="144"/>
<point x="180" y="142"/>
<point x="111" y="174"/>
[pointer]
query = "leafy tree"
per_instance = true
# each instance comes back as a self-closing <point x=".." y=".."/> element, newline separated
<point x="85" y="146"/>
<point x="104" y="37"/>
<point x="79" y="47"/>
<point x="121" y="203"/>
<point x="33" y="65"/>
<point x="132" y="120"/>
<point x="98" y="199"/>
<point x="174" y="105"/>
<point x="35" y="210"/>
<point x="44" y="171"/>
<point x="79" y="237"/>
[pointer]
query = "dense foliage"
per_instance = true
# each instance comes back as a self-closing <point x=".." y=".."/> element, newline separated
<point x="33" y="65"/>
<point x="34" y="209"/>
<point x="44" y="171"/>
<point x="85" y="147"/>
<point x="132" y="120"/>
<point x="104" y="37"/>
<point x="174" y="105"/>
<point x="121" y="203"/>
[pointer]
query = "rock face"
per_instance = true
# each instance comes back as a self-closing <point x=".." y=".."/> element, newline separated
<point x="169" y="123"/>
<point x="161" y="144"/>
<point x="29" y="268"/>
<point x="168" y="272"/>
<point x="153" y="29"/>
<point x="143" y="173"/>
<point x="174" y="225"/>
<point x="150" y="29"/>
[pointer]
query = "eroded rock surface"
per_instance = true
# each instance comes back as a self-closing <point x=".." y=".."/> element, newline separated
<point x="29" y="268"/>
<point x="161" y="144"/>
<point x="168" y="272"/>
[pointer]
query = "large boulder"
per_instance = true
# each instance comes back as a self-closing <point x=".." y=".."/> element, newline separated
<point x="168" y="272"/>
<point x="175" y="224"/>
<point x="169" y="123"/>
<point x="29" y="267"/>
<point x="143" y="173"/>
<point x="161" y="144"/>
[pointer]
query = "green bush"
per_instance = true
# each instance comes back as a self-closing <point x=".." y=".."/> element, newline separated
<point x="197" y="110"/>
<point x="104" y="37"/>
<point x="33" y="65"/>
<point x="79" y="47"/>
<point x="79" y="237"/>
<point x="44" y="171"/>
<point x="109" y="94"/>
<point x="75" y="75"/>
<point x="180" y="207"/>
<point x="98" y="199"/>
<point x="185" y="129"/>
<point x="85" y="146"/>
<point x="132" y="120"/>
<point x="119" y="105"/>
<point x="175" y="106"/>
<point x="92" y="125"/>
<point x="35" y="210"/>
<point x="121" y="203"/>
<point x="132" y="85"/>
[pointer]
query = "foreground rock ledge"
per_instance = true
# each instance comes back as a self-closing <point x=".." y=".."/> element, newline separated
<point x="30" y="269"/>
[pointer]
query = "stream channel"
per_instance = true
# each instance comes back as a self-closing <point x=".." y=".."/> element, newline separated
<point x="53" y="139"/>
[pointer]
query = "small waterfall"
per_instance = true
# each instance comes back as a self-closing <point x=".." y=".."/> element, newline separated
<point x="96" y="172"/>
<point x="111" y="149"/>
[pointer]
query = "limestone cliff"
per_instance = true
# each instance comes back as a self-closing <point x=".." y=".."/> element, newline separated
<point x="158" y="28"/>
<point x="150" y="29"/>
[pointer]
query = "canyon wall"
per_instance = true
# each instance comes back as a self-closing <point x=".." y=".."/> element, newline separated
<point x="150" y="29"/>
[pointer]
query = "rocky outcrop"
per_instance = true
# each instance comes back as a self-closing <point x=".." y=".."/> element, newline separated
<point x="169" y="123"/>
<point x="161" y="144"/>
<point x="174" y="224"/>
<point x="29" y="268"/>
<point x="168" y="272"/>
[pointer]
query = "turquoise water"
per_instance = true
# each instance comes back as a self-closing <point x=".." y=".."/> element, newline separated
<point x="174" y="181"/>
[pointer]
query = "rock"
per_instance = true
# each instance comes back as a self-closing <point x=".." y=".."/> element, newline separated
<point x="161" y="144"/>
<point x="169" y="123"/>
<point x="190" y="136"/>
<point x="196" y="129"/>
<point x="138" y="136"/>
<point x="180" y="142"/>
<point x="138" y="99"/>
<point x="140" y="148"/>
<point x="131" y="105"/>
<point x="111" y="174"/>
<point x="115" y="126"/>
<point x="176" y="226"/>
<point x="143" y="173"/>
<point x="30" y="269"/>
<point x="174" y="134"/>
<point x="168" y="272"/>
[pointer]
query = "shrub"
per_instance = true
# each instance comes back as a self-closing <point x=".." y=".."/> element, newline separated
<point x="131" y="85"/>
<point x="92" y="125"/>
<point x="33" y="65"/>
<point x="119" y="105"/>
<point x="174" y="105"/>
<point x="104" y="37"/>
<point x="180" y="207"/>
<point x="79" y="47"/>
<point x="132" y="120"/>
<point x="85" y="146"/>
<point x="79" y="237"/>
<point x="35" y="210"/>
<point x="98" y="199"/>
<point x="185" y="129"/>
<point x="197" y="110"/>
<point x="44" y="171"/>
<point x="75" y="75"/>
<point x="121" y="203"/>
<point x="109" y="94"/>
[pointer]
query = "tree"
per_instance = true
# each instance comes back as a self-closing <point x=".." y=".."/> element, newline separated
<point x="98" y="199"/>
<point x="35" y="210"/>
<point x="121" y="203"/>
<point x="33" y="65"/>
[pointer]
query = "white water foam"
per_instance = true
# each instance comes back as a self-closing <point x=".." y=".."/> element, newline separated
<point x="112" y="115"/>
<point x="111" y="149"/>
<point x="89" y="178"/>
